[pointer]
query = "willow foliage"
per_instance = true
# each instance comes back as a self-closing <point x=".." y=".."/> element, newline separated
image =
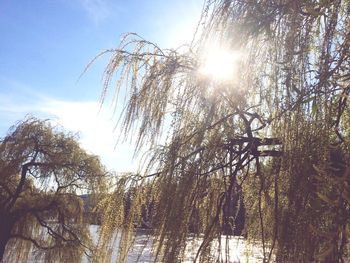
<point x="290" y="88"/>
<point x="42" y="172"/>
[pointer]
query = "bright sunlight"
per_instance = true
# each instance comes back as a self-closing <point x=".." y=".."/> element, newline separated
<point x="219" y="63"/>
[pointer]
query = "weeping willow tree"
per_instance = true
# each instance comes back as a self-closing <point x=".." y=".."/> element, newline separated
<point x="42" y="172"/>
<point x="275" y="131"/>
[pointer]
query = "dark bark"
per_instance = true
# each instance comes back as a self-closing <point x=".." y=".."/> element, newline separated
<point x="3" y="243"/>
<point x="6" y="225"/>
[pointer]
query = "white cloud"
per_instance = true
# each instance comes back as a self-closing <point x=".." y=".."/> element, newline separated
<point x="96" y="130"/>
<point x="95" y="127"/>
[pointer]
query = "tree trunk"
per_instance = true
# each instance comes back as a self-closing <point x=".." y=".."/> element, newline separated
<point x="3" y="243"/>
<point x="5" y="234"/>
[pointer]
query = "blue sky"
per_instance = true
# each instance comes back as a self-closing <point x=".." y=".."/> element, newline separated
<point x="45" y="45"/>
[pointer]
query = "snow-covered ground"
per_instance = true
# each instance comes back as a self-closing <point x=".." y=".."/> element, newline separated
<point x="240" y="250"/>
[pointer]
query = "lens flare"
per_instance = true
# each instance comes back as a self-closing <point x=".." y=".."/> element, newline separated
<point x="219" y="64"/>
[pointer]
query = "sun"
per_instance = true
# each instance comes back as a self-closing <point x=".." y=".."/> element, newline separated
<point x="219" y="63"/>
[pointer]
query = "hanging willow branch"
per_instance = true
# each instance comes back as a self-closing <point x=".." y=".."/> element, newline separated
<point x="214" y="142"/>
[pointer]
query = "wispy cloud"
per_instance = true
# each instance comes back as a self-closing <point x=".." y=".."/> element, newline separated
<point x="97" y="10"/>
<point x="95" y="127"/>
<point x="96" y="130"/>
